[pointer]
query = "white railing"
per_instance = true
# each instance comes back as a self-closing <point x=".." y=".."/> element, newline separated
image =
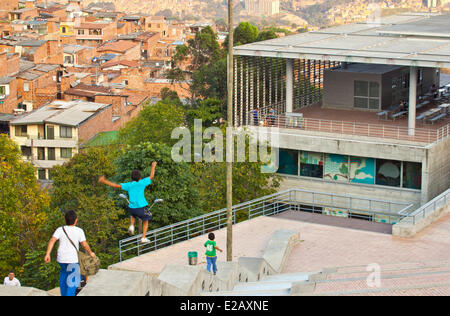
<point x="293" y="199"/>
<point x="428" y="209"/>
<point x="422" y="135"/>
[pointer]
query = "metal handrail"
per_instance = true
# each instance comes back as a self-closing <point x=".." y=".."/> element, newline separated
<point x="265" y="206"/>
<point x="429" y="208"/>
<point x="425" y="135"/>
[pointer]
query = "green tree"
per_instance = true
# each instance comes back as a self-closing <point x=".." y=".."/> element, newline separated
<point x="174" y="182"/>
<point x="248" y="181"/>
<point x="208" y="80"/>
<point x="24" y="208"/>
<point x="245" y="33"/>
<point x="204" y="48"/>
<point x="170" y="96"/>
<point x="266" y="35"/>
<point x="76" y="188"/>
<point x="154" y="123"/>
<point x="207" y="110"/>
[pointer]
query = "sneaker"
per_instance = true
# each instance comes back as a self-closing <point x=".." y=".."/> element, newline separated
<point x="131" y="230"/>
<point x="144" y="241"/>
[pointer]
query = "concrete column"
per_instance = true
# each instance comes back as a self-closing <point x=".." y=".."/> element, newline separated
<point x="412" y="100"/>
<point x="289" y="85"/>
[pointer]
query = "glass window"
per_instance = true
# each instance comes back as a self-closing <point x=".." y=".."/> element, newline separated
<point x="41" y="153"/>
<point x="374" y="104"/>
<point x="360" y="103"/>
<point x="388" y="172"/>
<point x="288" y="162"/>
<point x="311" y="164"/>
<point x="374" y="90"/>
<point x="41" y="174"/>
<point x="51" y="153"/>
<point x="26" y="151"/>
<point x="362" y="170"/>
<point x="2" y="90"/>
<point x="366" y="95"/>
<point x="361" y="89"/>
<point x="66" y="152"/>
<point x="21" y="130"/>
<point x="65" y="132"/>
<point x="336" y="167"/>
<point x="26" y="86"/>
<point x="412" y="175"/>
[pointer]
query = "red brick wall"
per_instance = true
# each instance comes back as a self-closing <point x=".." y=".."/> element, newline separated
<point x="101" y="122"/>
<point x="10" y="103"/>
<point x="6" y="6"/>
<point x="13" y="64"/>
<point x="154" y="89"/>
<point x="3" y="64"/>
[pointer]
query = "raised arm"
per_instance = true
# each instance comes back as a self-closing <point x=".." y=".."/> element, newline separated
<point x="152" y="174"/>
<point x="109" y="183"/>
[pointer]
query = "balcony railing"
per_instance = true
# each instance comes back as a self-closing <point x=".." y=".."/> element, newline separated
<point x="290" y="200"/>
<point x="421" y="135"/>
<point x="34" y="137"/>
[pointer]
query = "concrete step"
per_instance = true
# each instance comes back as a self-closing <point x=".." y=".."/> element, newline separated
<point x="388" y="273"/>
<point x="393" y="266"/>
<point x="262" y="292"/>
<point x="288" y="277"/>
<point x="387" y="283"/>
<point x="259" y="286"/>
<point x="432" y="289"/>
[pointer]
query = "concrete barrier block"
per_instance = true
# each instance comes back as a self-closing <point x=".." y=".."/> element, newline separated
<point x="228" y="274"/>
<point x="301" y="288"/>
<point x="318" y="277"/>
<point x="279" y="247"/>
<point x="20" y="291"/>
<point x="330" y="270"/>
<point x="184" y="280"/>
<point x="117" y="283"/>
<point x="253" y="269"/>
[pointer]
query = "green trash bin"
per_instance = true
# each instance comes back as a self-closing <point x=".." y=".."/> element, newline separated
<point x="193" y="257"/>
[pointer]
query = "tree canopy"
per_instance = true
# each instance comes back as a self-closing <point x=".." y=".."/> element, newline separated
<point x="24" y="207"/>
<point x="154" y="124"/>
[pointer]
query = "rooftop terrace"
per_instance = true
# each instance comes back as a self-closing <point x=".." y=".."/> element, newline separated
<point x="363" y="124"/>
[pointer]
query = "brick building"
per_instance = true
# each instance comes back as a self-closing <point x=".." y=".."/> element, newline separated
<point x="9" y="67"/>
<point x="40" y="51"/>
<point x="95" y="33"/>
<point x="76" y="55"/>
<point x="38" y="86"/>
<point x="6" y="6"/>
<point x="51" y="135"/>
<point x="124" y="50"/>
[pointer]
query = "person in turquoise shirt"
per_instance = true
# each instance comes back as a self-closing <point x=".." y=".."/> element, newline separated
<point x="136" y="195"/>
<point x="211" y="256"/>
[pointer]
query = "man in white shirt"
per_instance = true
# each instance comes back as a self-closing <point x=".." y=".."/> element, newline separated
<point x="11" y="280"/>
<point x="69" y="278"/>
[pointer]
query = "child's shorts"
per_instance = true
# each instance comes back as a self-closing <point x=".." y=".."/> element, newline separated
<point x="142" y="213"/>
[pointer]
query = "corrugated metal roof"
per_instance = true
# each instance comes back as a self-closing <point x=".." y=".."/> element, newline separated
<point x="6" y="79"/>
<point x="71" y="113"/>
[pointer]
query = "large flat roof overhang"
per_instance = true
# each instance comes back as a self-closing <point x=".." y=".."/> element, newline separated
<point x="405" y="40"/>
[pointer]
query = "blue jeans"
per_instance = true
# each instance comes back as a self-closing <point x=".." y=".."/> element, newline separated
<point x="211" y="261"/>
<point x="69" y="278"/>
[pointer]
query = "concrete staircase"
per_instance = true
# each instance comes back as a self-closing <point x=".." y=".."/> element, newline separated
<point x="184" y="280"/>
<point x="410" y="279"/>
<point x="273" y="285"/>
